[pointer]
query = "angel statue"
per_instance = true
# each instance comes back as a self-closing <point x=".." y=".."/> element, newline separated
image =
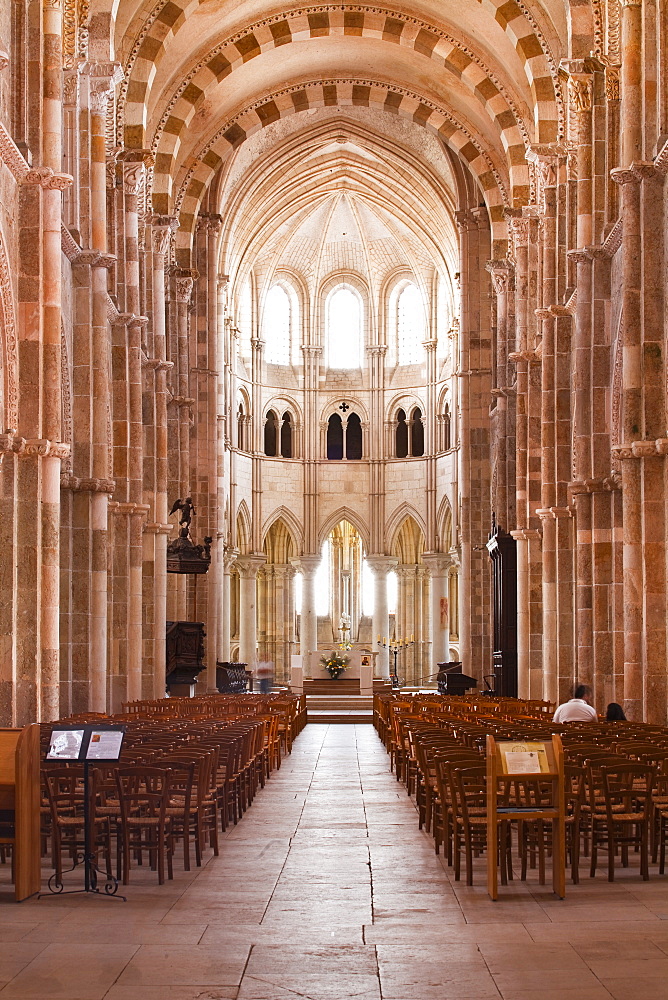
<point x="187" y="509"/>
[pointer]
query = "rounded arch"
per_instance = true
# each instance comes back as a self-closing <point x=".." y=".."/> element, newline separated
<point x="490" y="173"/>
<point x="453" y="56"/>
<point x="403" y="401"/>
<point x="344" y="514"/>
<point x="352" y="404"/>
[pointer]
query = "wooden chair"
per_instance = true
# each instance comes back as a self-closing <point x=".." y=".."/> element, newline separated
<point x="144" y="799"/>
<point x="66" y="801"/>
<point x="620" y="802"/>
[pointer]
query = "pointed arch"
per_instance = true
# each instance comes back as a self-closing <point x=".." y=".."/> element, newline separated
<point x="291" y="522"/>
<point x="408" y="542"/>
<point x="397" y="518"/>
<point x="444" y="525"/>
<point x="279" y="544"/>
<point x="244" y="530"/>
<point x="344" y="514"/>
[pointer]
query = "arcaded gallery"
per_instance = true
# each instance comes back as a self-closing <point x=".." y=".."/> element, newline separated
<point x="333" y="500"/>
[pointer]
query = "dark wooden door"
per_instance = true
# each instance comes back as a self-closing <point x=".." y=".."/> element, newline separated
<point x="501" y="548"/>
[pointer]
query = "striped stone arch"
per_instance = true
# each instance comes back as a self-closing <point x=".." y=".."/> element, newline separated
<point x="540" y="66"/>
<point x="355" y="20"/>
<point x="318" y="94"/>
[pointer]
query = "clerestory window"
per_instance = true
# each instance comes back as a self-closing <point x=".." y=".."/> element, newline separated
<point x="343" y="324"/>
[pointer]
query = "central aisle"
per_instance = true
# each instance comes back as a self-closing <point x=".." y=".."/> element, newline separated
<point x="326" y="890"/>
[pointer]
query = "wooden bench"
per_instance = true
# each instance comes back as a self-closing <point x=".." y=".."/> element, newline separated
<point x="19" y="798"/>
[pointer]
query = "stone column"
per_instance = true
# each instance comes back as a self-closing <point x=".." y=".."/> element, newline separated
<point x="247" y="567"/>
<point x="102" y="77"/>
<point x="503" y="500"/>
<point x="381" y="565"/>
<point x="630" y="450"/>
<point x="308" y="632"/>
<point x="225" y="632"/>
<point x="183" y="401"/>
<point x="438" y="564"/>
<point x="156" y="531"/>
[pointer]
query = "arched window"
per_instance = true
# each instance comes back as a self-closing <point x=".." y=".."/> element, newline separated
<point x="286" y="436"/>
<point x="417" y="433"/>
<point x="277" y="326"/>
<point x="245" y="318"/>
<point x="343" y="319"/>
<point x="271" y="434"/>
<point x="401" y="433"/>
<point x="447" y="433"/>
<point x="353" y="437"/>
<point x="241" y="428"/>
<point x="410" y="325"/>
<point x="334" y="437"/>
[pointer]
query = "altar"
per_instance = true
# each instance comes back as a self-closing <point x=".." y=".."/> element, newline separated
<point x="361" y="666"/>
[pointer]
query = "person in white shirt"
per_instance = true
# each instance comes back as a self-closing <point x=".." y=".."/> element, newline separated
<point x="578" y="709"/>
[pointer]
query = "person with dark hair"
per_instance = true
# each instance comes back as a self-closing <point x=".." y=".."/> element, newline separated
<point x="578" y="709"/>
<point x="615" y="713"/>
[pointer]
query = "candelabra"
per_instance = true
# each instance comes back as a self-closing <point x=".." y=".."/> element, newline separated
<point x="395" y="646"/>
<point x="344" y="631"/>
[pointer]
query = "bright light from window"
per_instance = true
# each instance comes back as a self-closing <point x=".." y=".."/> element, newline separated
<point x="277" y="325"/>
<point x="410" y="326"/>
<point x="299" y="582"/>
<point x="368" y="593"/>
<point x="321" y="583"/>
<point x="344" y="328"/>
<point x="245" y="318"/>
<point x="392" y="592"/>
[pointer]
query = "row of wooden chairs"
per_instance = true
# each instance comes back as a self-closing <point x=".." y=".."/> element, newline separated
<point x="178" y="781"/>
<point x="616" y="787"/>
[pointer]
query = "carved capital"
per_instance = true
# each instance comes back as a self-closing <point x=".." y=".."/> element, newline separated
<point x="624" y="175"/>
<point x="163" y="228"/>
<point x="502" y="274"/>
<point x="184" y="288"/>
<point x="4" y="60"/>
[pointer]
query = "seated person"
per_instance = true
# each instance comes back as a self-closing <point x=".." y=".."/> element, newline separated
<point x="615" y="713"/>
<point x="578" y="709"/>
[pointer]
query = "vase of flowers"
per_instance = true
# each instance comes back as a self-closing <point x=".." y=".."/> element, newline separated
<point x="334" y="664"/>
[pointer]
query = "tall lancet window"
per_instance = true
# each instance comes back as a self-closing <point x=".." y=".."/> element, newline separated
<point x="277" y="326"/>
<point x="410" y="325"/>
<point x="245" y="318"/>
<point x="344" y="328"/>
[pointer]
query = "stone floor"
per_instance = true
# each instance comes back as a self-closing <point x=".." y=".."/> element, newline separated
<point x="326" y="890"/>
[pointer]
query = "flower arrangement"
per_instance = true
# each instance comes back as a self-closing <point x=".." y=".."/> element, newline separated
<point x="334" y="664"/>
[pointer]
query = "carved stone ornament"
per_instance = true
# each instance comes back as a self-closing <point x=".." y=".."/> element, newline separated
<point x="133" y="177"/>
<point x="501" y="272"/>
<point x="4" y="59"/>
<point x="612" y="87"/>
<point x="70" y="88"/>
<point x="184" y="288"/>
<point x="579" y="94"/>
<point x="163" y="228"/>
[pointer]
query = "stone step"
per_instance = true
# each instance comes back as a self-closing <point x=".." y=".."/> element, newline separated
<point x="353" y="717"/>
<point x="345" y="702"/>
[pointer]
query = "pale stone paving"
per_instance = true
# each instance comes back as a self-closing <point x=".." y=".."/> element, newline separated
<point x="326" y="890"/>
